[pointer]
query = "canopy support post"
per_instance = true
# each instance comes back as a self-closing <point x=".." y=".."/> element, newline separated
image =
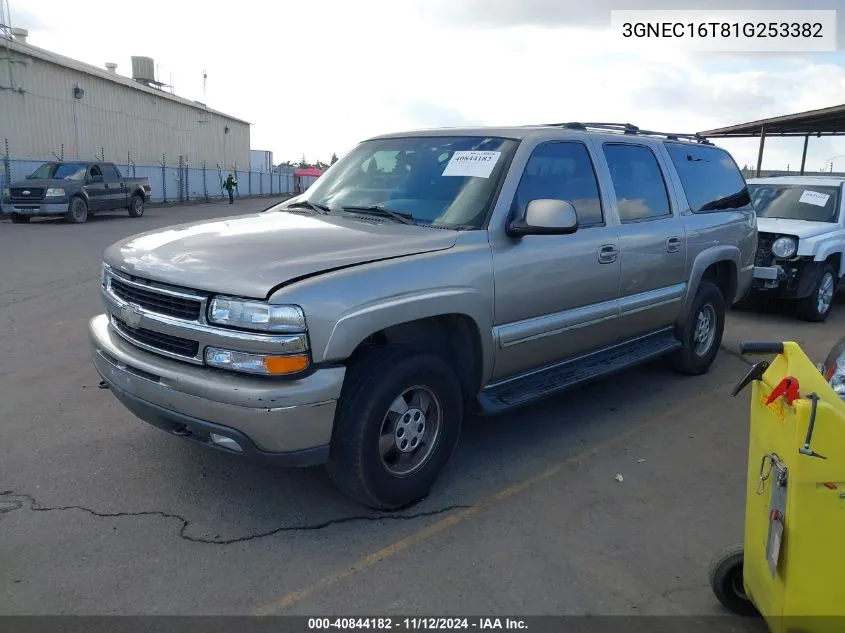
<point x="760" y="151"/>
<point x="804" y="155"/>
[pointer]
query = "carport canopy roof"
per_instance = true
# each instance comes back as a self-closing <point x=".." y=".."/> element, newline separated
<point x="823" y="122"/>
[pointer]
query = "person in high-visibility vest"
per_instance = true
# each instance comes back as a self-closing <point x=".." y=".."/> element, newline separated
<point x="230" y="185"/>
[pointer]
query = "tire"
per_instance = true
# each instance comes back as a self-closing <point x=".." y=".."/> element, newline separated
<point x="818" y="305"/>
<point x="18" y="218"/>
<point x="77" y="212"/>
<point x="699" y="343"/>
<point x="136" y="207"/>
<point x="726" y="581"/>
<point x="367" y="436"/>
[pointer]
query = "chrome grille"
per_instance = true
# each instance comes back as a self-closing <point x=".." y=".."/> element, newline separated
<point x="35" y="193"/>
<point x="157" y="340"/>
<point x="158" y="302"/>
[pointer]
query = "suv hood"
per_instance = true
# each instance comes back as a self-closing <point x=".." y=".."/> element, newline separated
<point x="249" y="255"/>
<point x="798" y="228"/>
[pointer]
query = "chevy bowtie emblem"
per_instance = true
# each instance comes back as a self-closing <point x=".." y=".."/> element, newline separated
<point x="131" y="315"/>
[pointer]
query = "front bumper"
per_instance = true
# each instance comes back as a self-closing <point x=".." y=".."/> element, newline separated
<point x="289" y="422"/>
<point x="35" y="208"/>
<point x="792" y="279"/>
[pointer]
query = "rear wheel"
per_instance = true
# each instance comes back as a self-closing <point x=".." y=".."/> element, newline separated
<point x="398" y="422"/>
<point x="77" y="211"/>
<point x="818" y="305"/>
<point x="701" y="334"/>
<point x="136" y="207"/>
<point x="727" y="583"/>
<point x="18" y="218"/>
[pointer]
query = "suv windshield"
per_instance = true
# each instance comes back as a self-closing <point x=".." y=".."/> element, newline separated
<point x="796" y="202"/>
<point x="442" y="181"/>
<point x="60" y="171"/>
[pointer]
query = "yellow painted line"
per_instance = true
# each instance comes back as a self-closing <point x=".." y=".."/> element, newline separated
<point x="453" y="519"/>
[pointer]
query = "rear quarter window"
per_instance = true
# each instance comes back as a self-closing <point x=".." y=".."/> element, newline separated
<point x="710" y="178"/>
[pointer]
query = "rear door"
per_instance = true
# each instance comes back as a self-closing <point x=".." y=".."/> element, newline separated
<point x="115" y="191"/>
<point x="652" y="240"/>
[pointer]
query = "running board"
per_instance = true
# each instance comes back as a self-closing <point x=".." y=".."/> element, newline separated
<point x="543" y="383"/>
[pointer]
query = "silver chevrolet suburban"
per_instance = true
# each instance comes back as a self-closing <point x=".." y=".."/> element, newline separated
<point x="424" y="276"/>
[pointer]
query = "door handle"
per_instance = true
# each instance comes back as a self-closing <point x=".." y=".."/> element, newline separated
<point x="607" y="254"/>
<point x="673" y="244"/>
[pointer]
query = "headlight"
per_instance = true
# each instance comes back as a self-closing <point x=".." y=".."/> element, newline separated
<point x="105" y="269"/>
<point x="256" y="315"/>
<point x="833" y="368"/>
<point x="54" y="193"/>
<point x="255" y="363"/>
<point x="785" y="247"/>
<point x="5" y="193"/>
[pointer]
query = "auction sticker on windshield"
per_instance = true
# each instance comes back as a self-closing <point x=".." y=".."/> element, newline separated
<point x="474" y="164"/>
<point x="814" y="197"/>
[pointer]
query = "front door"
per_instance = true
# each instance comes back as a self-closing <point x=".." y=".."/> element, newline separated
<point x="652" y="241"/>
<point x="95" y="187"/>
<point x="556" y="295"/>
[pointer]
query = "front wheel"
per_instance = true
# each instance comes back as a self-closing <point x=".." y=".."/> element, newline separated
<point x="398" y="421"/>
<point x="136" y="207"/>
<point x="818" y="305"/>
<point x="727" y="583"/>
<point x="701" y="334"/>
<point x="77" y="212"/>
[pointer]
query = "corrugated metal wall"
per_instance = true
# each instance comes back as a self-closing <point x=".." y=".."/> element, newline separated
<point x="119" y="121"/>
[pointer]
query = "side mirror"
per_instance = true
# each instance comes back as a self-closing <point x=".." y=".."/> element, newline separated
<point x="545" y="217"/>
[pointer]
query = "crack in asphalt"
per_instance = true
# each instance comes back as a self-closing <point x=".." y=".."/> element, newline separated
<point x="735" y="354"/>
<point x="11" y="501"/>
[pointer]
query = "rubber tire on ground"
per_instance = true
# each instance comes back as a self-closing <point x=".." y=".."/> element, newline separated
<point x="133" y="213"/>
<point x="372" y="382"/>
<point x="18" y="218"/>
<point x="685" y="360"/>
<point x="725" y="575"/>
<point x="808" y="307"/>
<point x="69" y="216"/>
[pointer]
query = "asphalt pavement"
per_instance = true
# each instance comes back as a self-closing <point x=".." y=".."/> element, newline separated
<point x="103" y="514"/>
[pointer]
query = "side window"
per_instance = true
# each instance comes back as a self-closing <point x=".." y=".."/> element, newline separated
<point x="111" y="174"/>
<point x="638" y="181"/>
<point x="562" y="171"/>
<point x="710" y="177"/>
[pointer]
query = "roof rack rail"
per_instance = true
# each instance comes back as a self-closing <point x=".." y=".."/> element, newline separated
<point x="629" y="128"/>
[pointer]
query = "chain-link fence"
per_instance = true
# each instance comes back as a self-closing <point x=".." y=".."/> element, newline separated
<point x="174" y="179"/>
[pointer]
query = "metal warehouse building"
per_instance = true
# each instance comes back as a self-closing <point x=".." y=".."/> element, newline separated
<point x="53" y="106"/>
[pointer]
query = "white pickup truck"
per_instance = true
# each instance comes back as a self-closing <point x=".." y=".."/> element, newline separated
<point x="801" y="240"/>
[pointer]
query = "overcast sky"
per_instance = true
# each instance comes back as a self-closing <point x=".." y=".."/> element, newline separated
<point x="317" y="79"/>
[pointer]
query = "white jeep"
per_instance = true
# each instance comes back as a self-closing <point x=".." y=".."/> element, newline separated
<point x="801" y="241"/>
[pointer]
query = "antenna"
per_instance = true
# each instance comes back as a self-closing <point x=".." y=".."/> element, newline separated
<point x="5" y="19"/>
<point x="204" y="83"/>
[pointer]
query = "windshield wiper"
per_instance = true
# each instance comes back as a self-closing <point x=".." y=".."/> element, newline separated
<point x="375" y="209"/>
<point x="305" y="204"/>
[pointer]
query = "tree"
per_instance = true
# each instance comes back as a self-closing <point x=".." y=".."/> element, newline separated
<point x="303" y="163"/>
<point x="333" y="160"/>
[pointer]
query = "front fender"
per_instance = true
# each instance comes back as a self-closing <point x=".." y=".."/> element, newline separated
<point x="703" y="261"/>
<point x="365" y="320"/>
<point x="831" y="247"/>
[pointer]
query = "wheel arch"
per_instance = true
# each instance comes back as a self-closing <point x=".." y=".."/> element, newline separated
<point x="718" y="264"/>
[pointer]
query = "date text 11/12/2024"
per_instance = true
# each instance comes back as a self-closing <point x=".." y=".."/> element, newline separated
<point x="416" y="624"/>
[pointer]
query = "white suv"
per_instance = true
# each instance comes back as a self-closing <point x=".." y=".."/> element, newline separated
<point x="801" y="240"/>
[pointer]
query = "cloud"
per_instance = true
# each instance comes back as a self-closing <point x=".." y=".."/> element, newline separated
<point x="575" y="13"/>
